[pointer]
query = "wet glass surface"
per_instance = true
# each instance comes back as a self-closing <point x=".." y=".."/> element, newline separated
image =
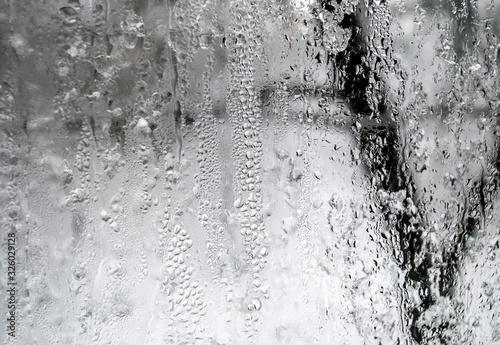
<point x="249" y="172"/>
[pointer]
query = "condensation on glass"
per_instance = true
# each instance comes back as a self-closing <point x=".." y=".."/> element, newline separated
<point x="251" y="172"/>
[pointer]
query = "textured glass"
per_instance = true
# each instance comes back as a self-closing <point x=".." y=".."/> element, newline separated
<point x="249" y="172"/>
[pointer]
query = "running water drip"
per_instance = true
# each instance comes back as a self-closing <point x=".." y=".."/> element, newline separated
<point x="248" y="172"/>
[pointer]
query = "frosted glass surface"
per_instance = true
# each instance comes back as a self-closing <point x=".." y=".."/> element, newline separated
<point x="249" y="172"/>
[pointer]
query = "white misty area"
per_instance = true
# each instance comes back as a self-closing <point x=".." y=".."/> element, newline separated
<point x="247" y="172"/>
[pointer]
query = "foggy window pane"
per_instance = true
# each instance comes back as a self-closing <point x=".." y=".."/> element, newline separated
<point x="249" y="172"/>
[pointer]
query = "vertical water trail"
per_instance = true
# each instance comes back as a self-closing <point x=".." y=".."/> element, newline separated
<point x="245" y="172"/>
